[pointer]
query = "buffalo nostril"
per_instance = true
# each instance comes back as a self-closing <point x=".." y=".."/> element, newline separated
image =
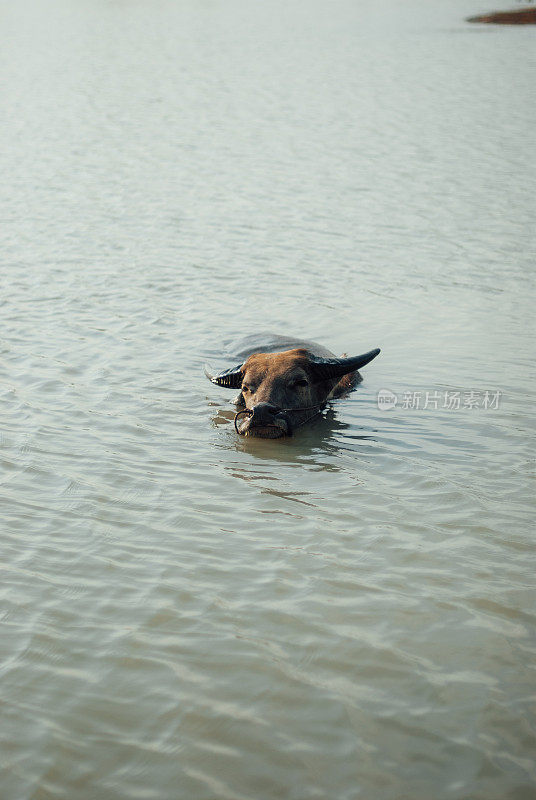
<point x="265" y="407"/>
<point x="264" y="411"/>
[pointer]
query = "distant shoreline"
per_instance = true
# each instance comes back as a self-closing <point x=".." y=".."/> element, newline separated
<point x="520" y="16"/>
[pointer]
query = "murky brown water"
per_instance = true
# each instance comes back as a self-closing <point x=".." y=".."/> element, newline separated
<point x="345" y="614"/>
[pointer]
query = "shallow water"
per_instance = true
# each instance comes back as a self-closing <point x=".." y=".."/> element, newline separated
<point x="348" y="613"/>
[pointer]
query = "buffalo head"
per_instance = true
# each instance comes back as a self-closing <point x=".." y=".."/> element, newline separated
<point x="281" y="391"/>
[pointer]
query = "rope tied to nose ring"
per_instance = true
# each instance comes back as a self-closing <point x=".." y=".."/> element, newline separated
<point x="248" y="412"/>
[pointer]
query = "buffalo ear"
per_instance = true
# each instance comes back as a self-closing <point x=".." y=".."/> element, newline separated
<point x="230" y="378"/>
<point x="333" y="368"/>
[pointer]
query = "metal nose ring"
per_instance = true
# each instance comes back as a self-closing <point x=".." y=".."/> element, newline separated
<point x="247" y="413"/>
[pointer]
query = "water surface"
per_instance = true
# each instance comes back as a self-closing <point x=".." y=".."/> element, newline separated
<point x="345" y="614"/>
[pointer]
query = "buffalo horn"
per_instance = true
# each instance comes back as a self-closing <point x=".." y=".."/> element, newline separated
<point x="231" y="378"/>
<point x="327" y="368"/>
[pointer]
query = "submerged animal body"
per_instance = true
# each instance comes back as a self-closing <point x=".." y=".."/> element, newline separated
<point x="285" y="382"/>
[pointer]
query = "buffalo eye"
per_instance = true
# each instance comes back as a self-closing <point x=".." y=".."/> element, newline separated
<point x="301" y="382"/>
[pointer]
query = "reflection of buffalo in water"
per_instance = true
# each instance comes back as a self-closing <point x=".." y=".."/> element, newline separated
<point x="325" y="434"/>
<point x="285" y="382"/>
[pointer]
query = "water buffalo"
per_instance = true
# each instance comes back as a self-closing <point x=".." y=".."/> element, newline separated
<point x="285" y="382"/>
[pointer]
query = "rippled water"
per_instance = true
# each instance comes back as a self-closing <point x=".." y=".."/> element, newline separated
<point x="187" y="614"/>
